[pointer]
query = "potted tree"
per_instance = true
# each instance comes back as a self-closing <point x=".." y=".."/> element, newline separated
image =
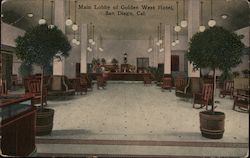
<point x="40" y="45"/>
<point x="215" y="48"/>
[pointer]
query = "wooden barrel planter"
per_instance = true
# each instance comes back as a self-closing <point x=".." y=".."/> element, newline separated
<point x="44" y="122"/>
<point x="212" y="124"/>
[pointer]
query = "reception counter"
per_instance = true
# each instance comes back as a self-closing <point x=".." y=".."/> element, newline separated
<point x="122" y="76"/>
<point x="18" y="117"/>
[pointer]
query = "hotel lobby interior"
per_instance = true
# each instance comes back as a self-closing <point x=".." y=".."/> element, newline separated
<point x="116" y="78"/>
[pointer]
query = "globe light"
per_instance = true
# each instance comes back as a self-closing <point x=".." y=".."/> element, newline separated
<point x="184" y="23"/>
<point x="160" y="41"/>
<point x="161" y="50"/>
<point x="150" y="50"/>
<point x="177" y="28"/>
<point x="100" y="49"/>
<point x="68" y="22"/>
<point x="202" y="28"/>
<point x="74" y="40"/>
<point x="90" y="40"/>
<point x="177" y="41"/>
<point x="74" y="27"/>
<point x="211" y="23"/>
<point x="89" y="49"/>
<point x="93" y="43"/>
<point x="51" y="26"/>
<point x="173" y="43"/>
<point x="42" y="21"/>
<point x="77" y="42"/>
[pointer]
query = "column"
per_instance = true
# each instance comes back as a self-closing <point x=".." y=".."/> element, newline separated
<point x="58" y="65"/>
<point x="193" y="26"/>
<point x="84" y="41"/>
<point x="167" y="50"/>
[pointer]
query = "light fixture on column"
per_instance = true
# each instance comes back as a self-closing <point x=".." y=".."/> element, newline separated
<point x="74" y="38"/>
<point x="75" y="26"/>
<point x="184" y="21"/>
<point x="51" y="26"/>
<point x="173" y="43"/>
<point x="177" y="28"/>
<point x="211" y="22"/>
<point x="100" y="47"/>
<point x="93" y="35"/>
<point x="161" y="49"/>
<point x="177" y="41"/>
<point x="150" y="49"/>
<point x="201" y="27"/>
<point x="68" y="22"/>
<point x="158" y="36"/>
<point x="42" y="20"/>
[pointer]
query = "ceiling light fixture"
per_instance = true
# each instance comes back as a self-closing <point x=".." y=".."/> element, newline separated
<point x="100" y="48"/>
<point x="51" y="26"/>
<point x="30" y="15"/>
<point x="42" y="20"/>
<point x="75" y="26"/>
<point x="158" y="36"/>
<point x="173" y="43"/>
<point x="177" y="28"/>
<point x="211" y="22"/>
<point x="224" y="16"/>
<point x="93" y="35"/>
<point x="150" y="44"/>
<point x="184" y="21"/>
<point x="177" y="41"/>
<point x="201" y="27"/>
<point x="69" y="21"/>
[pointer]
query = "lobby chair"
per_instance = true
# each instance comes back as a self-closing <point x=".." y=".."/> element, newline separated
<point x="78" y="85"/>
<point x="166" y="83"/>
<point x="179" y="83"/>
<point x="228" y="89"/>
<point x="241" y="100"/>
<point x="184" y="90"/>
<point x="34" y="88"/>
<point x="204" y="97"/>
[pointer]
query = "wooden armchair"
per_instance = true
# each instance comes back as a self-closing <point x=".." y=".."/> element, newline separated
<point x="3" y="88"/>
<point x="147" y="79"/>
<point x="241" y="100"/>
<point x="179" y="83"/>
<point x="166" y="83"/>
<point x="78" y="85"/>
<point x="204" y="97"/>
<point x="184" y="90"/>
<point x="101" y="82"/>
<point x="88" y="79"/>
<point x="34" y="88"/>
<point x="228" y="88"/>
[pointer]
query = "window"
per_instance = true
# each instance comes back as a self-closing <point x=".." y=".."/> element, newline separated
<point x="142" y="64"/>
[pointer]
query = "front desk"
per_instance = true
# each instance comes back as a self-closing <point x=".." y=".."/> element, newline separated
<point x="122" y="76"/>
<point x="18" y="117"/>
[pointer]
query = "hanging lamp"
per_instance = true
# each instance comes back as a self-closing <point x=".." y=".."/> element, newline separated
<point x="201" y="27"/>
<point x="68" y="22"/>
<point x="211" y="22"/>
<point x="51" y="26"/>
<point x="184" y="21"/>
<point x="93" y="35"/>
<point x="177" y="41"/>
<point x="173" y="43"/>
<point x="42" y="20"/>
<point x="177" y="28"/>
<point x="75" y="26"/>
<point x="150" y="44"/>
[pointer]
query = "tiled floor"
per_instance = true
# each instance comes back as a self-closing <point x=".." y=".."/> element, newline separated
<point x="126" y="118"/>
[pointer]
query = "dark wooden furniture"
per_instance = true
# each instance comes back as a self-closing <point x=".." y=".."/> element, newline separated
<point x="123" y="76"/>
<point x="3" y="88"/>
<point x="79" y="85"/>
<point x="179" y="82"/>
<point x="166" y="83"/>
<point x="228" y="88"/>
<point x="184" y="90"/>
<point x="34" y="88"/>
<point x="204" y="97"/>
<point x="241" y="100"/>
<point x="147" y="79"/>
<point x="88" y="78"/>
<point x="17" y="125"/>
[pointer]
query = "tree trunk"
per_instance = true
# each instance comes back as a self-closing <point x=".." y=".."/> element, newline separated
<point x="214" y="88"/>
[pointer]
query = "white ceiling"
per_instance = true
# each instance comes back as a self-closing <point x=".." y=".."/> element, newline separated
<point x="127" y="27"/>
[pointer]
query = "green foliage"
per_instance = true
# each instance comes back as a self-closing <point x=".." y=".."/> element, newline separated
<point x="25" y="69"/>
<point x="226" y="75"/>
<point x="157" y="72"/>
<point x="236" y="74"/>
<point x="216" y="47"/>
<point x="114" y="61"/>
<point x="246" y="71"/>
<point x="103" y="60"/>
<point x="40" y="45"/>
